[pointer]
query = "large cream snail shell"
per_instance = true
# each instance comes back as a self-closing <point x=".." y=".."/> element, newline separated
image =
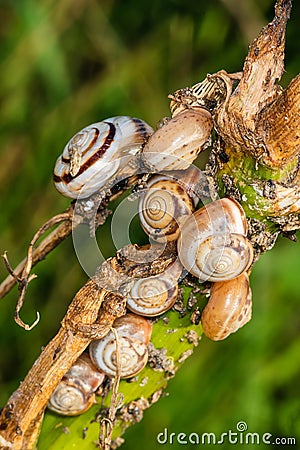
<point x="167" y="201"/>
<point x="75" y="393"/>
<point x="134" y="334"/>
<point x="178" y="142"/>
<point x="228" y="309"/>
<point x="155" y="295"/>
<point x="213" y="245"/>
<point x="96" y="153"/>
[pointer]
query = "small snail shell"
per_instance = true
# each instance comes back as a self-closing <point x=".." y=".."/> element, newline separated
<point x="95" y="154"/>
<point x="228" y="309"/>
<point x="134" y="334"/>
<point x="212" y="244"/>
<point x="155" y="295"/>
<point x="167" y="201"/>
<point x="75" y="393"/>
<point x="208" y="93"/>
<point x="178" y="142"/>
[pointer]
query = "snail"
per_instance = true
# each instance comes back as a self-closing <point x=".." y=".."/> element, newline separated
<point x="228" y="309"/>
<point x="167" y="201"/>
<point x="75" y="393"/>
<point x="177" y="143"/>
<point x="97" y="153"/>
<point x="134" y="334"/>
<point x="213" y="245"/>
<point x="155" y="295"/>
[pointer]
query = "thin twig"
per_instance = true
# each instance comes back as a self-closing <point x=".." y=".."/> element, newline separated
<point x="24" y="278"/>
<point x="107" y="423"/>
<point x="51" y="241"/>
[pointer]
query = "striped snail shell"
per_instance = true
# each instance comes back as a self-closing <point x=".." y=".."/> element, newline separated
<point x="155" y="295"/>
<point x="213" y="244"/>
<point x="75" y="393"/>
<point x="178" y="142"/>
<point x="167" y="201"/>
<point x="228" y="309"/>
<point x="96" y="153"/>
<point x="134" y="334"/>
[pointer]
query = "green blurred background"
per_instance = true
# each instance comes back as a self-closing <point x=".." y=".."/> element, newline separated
<point x="67" y="64"/>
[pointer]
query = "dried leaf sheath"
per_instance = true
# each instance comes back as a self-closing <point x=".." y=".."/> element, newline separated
<point x="237" y="118"/>
<point x="279" y="126"/>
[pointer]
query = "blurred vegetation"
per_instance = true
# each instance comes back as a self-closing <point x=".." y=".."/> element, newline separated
<point x="67" y="64"/>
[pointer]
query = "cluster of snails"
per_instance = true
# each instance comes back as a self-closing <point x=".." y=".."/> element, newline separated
<point x="211" y="241"/>
<point x="211" y="245"/>
<point x="75" y="393"/>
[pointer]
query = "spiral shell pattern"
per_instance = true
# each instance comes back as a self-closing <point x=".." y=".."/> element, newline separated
<point x="163" y="206"/>
<point x="96" y="153"/>
<point x="133" y="338"/>
<point x="178" y="142"/>
<point x="69" y="399"/>
<point x="75" y="393"/>
<point x="133" y="355"/>
<point x="223" y="257"/>
<point x="228" y="309"/>
<point x="213" y="244"/>
<point x="155" y="295"/>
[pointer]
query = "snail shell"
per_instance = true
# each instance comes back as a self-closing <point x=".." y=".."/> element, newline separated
<point x="155" y="295"/>
<point x="96" y="153"/>
<point x="213" y="244"/>
<point x="134" y="334"/>
<point x="228" y="309"/>
<point x="178" y="142"/>
<point x="166" y="202"/>
<point x="75" y="393"/>
<point x="209" y="93"/>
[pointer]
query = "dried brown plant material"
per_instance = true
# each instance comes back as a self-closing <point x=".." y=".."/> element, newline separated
<point x="90" y="316"/>
<point x="238" y="117"/>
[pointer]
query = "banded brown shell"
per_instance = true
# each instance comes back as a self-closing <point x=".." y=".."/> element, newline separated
<point x="95" y="154"/>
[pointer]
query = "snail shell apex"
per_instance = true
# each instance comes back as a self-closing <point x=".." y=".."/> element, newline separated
<point x="162" y="207"/>
<point x="95" y="154"/>
<point x="222" y="257"/>
<point x="69" y="399"/>
<point x="178" y="142"/>
<point x="75" y="392"/>
<point x="228" y="309"/>
<point x="213" y="244"/>
<point x="134" y="334"/>
<point x="155" y="295"/>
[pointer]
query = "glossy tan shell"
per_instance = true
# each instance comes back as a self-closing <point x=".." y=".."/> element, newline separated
<point x="96" y="153"/>
<point x="75" y="393"/>
<point x="155" y="295"/>
<point x="165" y="203"/>
<point x="134" y="334"/>
<point x="212" y="244"/>
<point x="228" y="309"/>
<point x="178" y="142"/>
